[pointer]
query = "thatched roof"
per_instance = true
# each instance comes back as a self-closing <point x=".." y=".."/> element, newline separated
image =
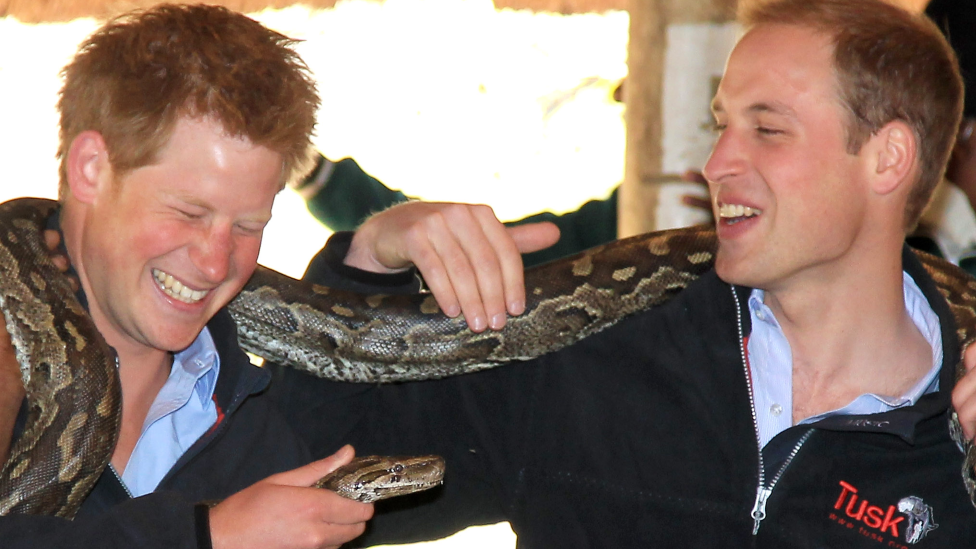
<point x="35" y="11"/>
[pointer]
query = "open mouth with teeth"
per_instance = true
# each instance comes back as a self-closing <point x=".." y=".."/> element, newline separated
<point x="731" y="214"/>
<point x="175" y="289"/>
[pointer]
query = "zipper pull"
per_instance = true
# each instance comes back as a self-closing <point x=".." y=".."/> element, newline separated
<point x="759" y="509"/>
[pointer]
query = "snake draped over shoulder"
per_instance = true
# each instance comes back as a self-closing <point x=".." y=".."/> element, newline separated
<point x="72" y="383"/>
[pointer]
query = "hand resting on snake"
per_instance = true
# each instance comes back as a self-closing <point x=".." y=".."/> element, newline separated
<point x="73" y="390"/>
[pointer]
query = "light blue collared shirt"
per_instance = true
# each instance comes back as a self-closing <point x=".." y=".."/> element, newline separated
<point x="771" y="366"/>
<point x="183" y="411"/>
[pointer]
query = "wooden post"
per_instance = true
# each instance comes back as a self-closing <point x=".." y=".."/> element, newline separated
<point x="705" y="33"/>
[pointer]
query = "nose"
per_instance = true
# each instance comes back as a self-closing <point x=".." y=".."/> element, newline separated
<point x="211" y="253"/>
<point x="726" y="159"/>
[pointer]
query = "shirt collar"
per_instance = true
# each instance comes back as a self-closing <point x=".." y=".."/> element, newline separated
<point x="925" y="320"/>
<point x="201" y="362"/>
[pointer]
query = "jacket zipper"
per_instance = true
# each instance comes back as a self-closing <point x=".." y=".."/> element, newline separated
<point x="762" y="490"/>
<point x="111" y="467"/>
<point x="119" y="478"/>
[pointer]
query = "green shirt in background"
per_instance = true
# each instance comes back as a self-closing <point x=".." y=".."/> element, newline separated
<point x="344" y="196"/>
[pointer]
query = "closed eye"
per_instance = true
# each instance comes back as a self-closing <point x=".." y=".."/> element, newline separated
<point x="189" y="214"/>
<point x="251" y="229"/>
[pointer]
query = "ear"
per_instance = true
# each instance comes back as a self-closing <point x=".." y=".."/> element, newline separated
<point x="88" y="167"/>
<point x="894" y="156"/>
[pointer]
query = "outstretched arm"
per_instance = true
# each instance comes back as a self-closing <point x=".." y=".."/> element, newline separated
<point x="469" y="260"/>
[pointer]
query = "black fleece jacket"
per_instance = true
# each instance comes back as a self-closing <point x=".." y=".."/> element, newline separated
<point x="643" y="436"/>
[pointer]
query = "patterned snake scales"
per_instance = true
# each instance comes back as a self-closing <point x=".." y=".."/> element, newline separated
<point x="75" y="398"/>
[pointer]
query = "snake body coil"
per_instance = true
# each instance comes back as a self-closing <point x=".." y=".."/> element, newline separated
<point x="378" y="339"/>
<point x="74" y="392"/>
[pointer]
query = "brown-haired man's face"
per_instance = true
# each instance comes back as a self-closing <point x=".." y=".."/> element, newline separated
<point x="175" y="241"/>
<point x="784" y="189"/>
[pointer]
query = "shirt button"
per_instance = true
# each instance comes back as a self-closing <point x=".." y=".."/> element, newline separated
<point x="760" y="315"/>
<point x="776" y="409"/>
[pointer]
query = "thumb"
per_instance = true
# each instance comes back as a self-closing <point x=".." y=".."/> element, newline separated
<point x="310" y="474"/>
<point x="533" y="237"/>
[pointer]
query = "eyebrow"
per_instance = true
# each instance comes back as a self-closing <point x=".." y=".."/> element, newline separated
<point x="773" y="107"/>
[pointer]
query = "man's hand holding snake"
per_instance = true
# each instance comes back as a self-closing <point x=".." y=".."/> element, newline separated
<point x="469" y="260"/>
<point x="300" y="517"/>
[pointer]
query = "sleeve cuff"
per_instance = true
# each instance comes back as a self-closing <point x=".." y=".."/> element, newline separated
<point x="316" y="179"/>
<point x="329" y="264"/>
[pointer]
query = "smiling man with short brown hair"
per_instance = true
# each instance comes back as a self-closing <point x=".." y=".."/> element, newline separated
<point x="798" y="395"/>
<point x="179" y="126"/>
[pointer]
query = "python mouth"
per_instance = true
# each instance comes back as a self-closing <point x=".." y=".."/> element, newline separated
<point x="176" y="289"/>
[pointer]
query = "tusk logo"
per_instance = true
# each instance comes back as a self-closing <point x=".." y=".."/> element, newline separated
<point x="920" y="520"/>
<point x="852" y="510"/>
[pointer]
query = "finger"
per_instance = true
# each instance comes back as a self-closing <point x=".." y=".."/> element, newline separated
<point x="964" y="395"/>
<point x="60" y="262"/>
<point x="965" y="388"/>
<point x="329" y="508"/>
<point x="497" y="261"/>
<point x="336" y="509"/>
<point x="533" y="237"/>
<point x="503" y="286"/>
<point x="427" y="258"/>
<point x="51" y="239"/>
<point x="966" y="412"/>
<point x="969" y="357"/>
<point x="310" y="474"/>
<point x="507" y="244"/>
<point x="472" y="268"/>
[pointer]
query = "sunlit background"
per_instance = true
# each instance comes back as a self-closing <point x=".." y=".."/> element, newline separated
<point x="444" y="99"/>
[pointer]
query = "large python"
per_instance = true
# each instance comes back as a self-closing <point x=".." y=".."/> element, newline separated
<point x="74" y="394"/>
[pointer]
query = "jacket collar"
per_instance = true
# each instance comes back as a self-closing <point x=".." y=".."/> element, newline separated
<point x="902" y="422"/>
<point x="238" y="377"/>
